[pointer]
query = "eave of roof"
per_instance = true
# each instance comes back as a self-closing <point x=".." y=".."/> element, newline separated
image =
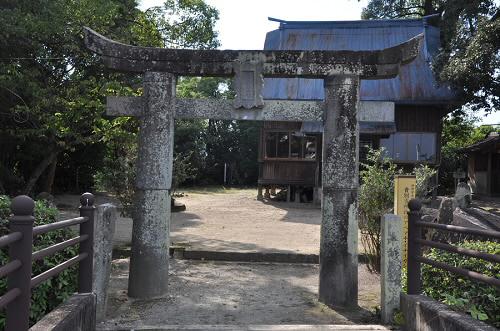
<point x="416" y="83"/>
<point x="483" y="144"/>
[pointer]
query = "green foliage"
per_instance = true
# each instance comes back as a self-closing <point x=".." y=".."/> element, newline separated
<point x="51" y="293"/>
<point x="459" y="131"/>
<point x="424" y="176"/>
<point x="376" y="198"/>
<point x="481" y="301"/>
<point x="185" y="23"/>
<point x="53" y="89"/>
<point x="470" y="41"/>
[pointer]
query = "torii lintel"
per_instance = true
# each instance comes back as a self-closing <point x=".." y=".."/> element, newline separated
<point x="377" y="64"/>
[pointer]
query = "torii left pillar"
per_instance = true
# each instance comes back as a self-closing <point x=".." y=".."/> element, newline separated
<point x="150" y="235"/>
<point x="338" y="258"/>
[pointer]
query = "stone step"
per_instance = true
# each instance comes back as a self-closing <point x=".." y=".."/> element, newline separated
<point x="296" y="327"/>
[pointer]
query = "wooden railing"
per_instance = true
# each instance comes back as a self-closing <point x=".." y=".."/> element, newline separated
<point x="416" y="242"/>
<point x="17" y="299"/>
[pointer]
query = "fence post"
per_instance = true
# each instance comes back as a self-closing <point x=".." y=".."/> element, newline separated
<point x="86" y="266"/>
<point x="413" y="270"/>
<point x="18" y="311"/>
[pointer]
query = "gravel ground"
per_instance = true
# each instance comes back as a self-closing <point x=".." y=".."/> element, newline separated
<point x="238" y="294"/>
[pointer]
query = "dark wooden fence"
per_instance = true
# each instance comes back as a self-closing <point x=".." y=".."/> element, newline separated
<point x="20" y="240"/>
<point x="416" y="242"/>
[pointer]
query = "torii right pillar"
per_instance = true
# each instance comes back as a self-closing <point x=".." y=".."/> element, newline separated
<point x="338" y="275"/>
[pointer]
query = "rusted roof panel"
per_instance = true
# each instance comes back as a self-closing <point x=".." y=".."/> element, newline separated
<point x="415" y="83"/>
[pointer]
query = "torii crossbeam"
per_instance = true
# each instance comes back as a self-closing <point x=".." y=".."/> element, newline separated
<point x="158" y="107"/>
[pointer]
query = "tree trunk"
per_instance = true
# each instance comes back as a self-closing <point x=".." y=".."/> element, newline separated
<point x="42" y="166"/>
<point x="51" y="173"/>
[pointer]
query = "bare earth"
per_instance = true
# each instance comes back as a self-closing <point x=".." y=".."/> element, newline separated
<point x="228" y="293"/>
<point x="237" y="221"/>
<point x="230" y="221"/>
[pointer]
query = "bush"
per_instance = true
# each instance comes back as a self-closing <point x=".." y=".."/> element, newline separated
<point x="481" y="301"/>
<point x="52" y="292"/>
<point x="376" y="198"/>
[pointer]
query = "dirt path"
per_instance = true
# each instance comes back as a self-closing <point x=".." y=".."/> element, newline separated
<point x="236" y="221"/>
<point x="238" y="294"/>
<point x="229" y="220"/>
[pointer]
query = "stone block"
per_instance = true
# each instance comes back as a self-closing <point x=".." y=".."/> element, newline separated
<point x="463" y="195"/>
<point x="390" y="265"/>
<point x="425" y="314"/>
<point x="76" y="313"/>
<point x="445" y="215"/>
<point x="104" y="231"/>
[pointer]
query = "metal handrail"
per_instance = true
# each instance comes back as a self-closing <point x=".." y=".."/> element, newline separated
<point x="460" y="250"/>
<point x="12" y="266"/>
<point x="37" y="280"/>
<point x="19" y="282"/>
<point x="460" y="271"/>
<point x="41" y="229"/>
<point x="459" y="229"/>
<point x="8" y="297"/>
<point x="10" y="238"/>
<point x="38" y="255"/>
<point x="415" y="243"/>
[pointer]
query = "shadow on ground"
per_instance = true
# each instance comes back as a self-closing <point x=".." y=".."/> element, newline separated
<point x="236" y="293"/>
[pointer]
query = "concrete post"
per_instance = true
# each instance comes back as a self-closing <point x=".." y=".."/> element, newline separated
<point x="150" y="234"/>
<point x="105" y="221"/>
<point x="390" y="265"/>
<point x="338" y="276"/>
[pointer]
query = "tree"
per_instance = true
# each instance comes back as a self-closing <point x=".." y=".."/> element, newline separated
<point x="469" y="57"/>
<point x="51" y="87"/>
<point x="52" y="90"/>
<point x="459" y="130"/>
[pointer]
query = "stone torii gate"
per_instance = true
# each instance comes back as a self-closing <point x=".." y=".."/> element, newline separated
<point x="158" y="107"/>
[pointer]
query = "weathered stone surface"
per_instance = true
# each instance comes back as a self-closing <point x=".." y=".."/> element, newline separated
<point x="125" y="106"/>
<point x="103" y="248"/>
<point x="156" y="135"/>
<point x="248" y="84"/>
<point x="341" y="133"/>
<point x="76" y="313"/>
<point x="150" y="241"/>
<point x="338" y="284"/>
<point x="309" y="64"/>
<point x="150" y="233"/>
<point x="445" y="215"/>
<point x="272" y="110"/>
<point x="390" y="266"/>
<point x="423" y="313"/>
<point x="463" y="195"/>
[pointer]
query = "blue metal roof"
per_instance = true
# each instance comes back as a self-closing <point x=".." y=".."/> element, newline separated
<point x="415" y="83"/>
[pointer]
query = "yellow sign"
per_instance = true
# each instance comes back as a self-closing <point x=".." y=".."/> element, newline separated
<point x="404" y="191"/>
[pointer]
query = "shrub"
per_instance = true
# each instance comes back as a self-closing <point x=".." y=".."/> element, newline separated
<point x="424" y="180"/>
<point x="481" y="301"/>
<point x="52" y="292"/>
<point x="376" y="198"/>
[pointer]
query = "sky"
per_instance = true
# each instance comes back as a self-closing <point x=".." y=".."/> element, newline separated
<point x="243" y="24"/>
